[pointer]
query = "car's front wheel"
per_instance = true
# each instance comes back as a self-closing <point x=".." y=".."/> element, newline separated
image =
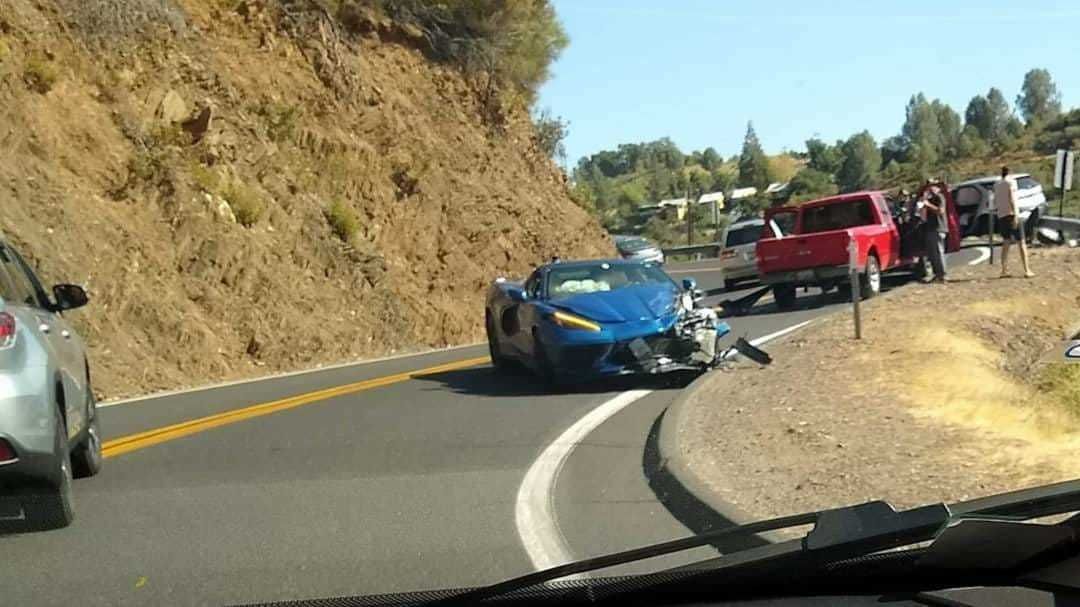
<point x="86" y="459"/>
<point x="498" y="361"/>
<point x="544" y="369"/>
<point x="50" y="505"/>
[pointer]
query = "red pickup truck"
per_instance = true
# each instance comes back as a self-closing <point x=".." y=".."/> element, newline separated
<point x="807" y="245"/>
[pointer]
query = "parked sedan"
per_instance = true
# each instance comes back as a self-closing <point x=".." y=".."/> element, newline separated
<point x="638" y="249"/>
<point x="737" y="256"/>
<point x="48" y="419"/>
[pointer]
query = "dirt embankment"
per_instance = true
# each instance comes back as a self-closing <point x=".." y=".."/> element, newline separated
<point x="245" y="190"/>
<point x="949" y="396"/>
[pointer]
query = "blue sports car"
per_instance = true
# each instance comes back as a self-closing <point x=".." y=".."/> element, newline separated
<point x="573" y="321"/>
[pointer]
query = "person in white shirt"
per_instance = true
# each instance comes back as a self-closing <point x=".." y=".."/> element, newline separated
<point x="1008" y="221"/>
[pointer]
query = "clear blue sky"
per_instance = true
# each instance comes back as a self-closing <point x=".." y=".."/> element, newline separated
<point x="698" y="70"/>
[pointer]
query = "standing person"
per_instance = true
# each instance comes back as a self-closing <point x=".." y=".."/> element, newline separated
<point x="935" y="230"/>
<point x="1008" y="218"/>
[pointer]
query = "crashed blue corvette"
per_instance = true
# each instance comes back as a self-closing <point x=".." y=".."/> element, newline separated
<point x="572" y="321"/>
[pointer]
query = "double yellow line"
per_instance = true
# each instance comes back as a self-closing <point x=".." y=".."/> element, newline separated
<point x="142" y="440"/>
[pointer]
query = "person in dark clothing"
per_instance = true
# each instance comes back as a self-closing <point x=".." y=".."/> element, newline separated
<point x="935" y="230"/>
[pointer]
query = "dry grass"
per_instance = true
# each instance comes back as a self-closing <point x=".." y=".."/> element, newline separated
<point x="40" y="74"/>
<point x="947" y="397"/>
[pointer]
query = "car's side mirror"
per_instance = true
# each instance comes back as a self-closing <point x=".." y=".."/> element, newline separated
<point x="516" y="294"/>
<point x="689" y="284"/>
<point x="69" y="297"/>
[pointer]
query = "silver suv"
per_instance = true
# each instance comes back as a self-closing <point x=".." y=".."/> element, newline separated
<point x="48" y="421"/>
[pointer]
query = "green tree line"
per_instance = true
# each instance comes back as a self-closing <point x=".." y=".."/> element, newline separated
<point x="933" y="136"/>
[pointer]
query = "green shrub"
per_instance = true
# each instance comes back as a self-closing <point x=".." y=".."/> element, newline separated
<point x="343" y="220"/>
<point x="40" y="74"/>
<point x="245" y="202"/>
<point x="281" y="120"/>
<point x="206" y="178"/>
<point x="1061" y="381"/>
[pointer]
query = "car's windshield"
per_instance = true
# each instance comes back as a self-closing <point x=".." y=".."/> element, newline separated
<point x="320" y="298"/>
<point x="631" y="245"/>
<point x="742" y="235"/>
<point x="568" y="281"/>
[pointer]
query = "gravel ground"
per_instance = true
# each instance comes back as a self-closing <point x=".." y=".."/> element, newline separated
<point x="937" y="402"/>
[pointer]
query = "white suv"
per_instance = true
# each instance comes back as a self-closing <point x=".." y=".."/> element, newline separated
<point x="738" y="256"/>
<point x="975" y="198"/>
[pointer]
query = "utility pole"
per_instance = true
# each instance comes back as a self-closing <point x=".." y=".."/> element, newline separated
<point x="689" y="219"/>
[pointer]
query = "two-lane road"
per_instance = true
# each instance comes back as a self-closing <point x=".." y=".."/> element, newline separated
<point x="402" y="474"/>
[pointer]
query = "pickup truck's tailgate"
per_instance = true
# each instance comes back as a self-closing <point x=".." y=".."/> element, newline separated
<point x="800" y="252"/>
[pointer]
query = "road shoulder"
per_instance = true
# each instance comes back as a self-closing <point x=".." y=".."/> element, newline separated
<point x="835" y="422"/>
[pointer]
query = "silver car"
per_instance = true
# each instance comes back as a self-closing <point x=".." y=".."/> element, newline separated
<point x="975" y="198"/>
<point x="638" y="249"/>
<point x="738" y="257"/>
<point x="48" y="420"/>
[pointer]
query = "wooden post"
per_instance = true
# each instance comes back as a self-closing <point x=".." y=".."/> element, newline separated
<point x="856" y="295"/>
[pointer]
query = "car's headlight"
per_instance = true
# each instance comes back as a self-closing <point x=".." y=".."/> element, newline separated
<point x="571" y="321"/>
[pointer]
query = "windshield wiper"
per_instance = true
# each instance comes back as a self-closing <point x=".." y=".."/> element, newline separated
<point x="839" y="533"/>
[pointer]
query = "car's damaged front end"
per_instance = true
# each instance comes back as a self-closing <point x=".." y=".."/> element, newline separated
<point x="685" y="337"/>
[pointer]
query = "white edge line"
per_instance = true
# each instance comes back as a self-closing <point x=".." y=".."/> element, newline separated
<point x="984" y="254"/>
<point x="534" y="509"/>
<point x="250" y="380"/>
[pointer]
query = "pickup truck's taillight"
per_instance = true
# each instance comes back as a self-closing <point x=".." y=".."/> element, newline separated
<point x="7" y="330"/>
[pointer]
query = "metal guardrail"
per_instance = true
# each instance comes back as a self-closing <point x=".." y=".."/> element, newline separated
<point x="711" y="249"/>
<point x="1063" y="224"/>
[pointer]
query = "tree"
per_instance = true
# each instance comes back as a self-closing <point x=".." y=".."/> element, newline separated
<point x="999" y="117"/>
<point x="551" y="133"/>
<point x="824" y="157"/>
<point x="753" y="163"/>
<point x="972" y="145"/>
<point x="922" y="131"/>
<point x="990" y="116"/>
<point x="710" y="159"/>
<point x="977" y="116"/>
<point x="951" y="126"/>
<point x="862" y="161"/>
<point x="1039" y="99"/>
<point x="895" y="149"/>
<point x="809" y="184"/>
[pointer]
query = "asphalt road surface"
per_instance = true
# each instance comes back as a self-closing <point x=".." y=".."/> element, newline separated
<point x="421" y="472"/>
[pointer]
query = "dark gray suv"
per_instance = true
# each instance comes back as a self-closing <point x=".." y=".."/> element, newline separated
<point x="48" y="420"/>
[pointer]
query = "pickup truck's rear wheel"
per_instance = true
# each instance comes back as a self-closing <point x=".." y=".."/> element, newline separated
<point x="870" y="283"/>
<point x="784" y="294"/>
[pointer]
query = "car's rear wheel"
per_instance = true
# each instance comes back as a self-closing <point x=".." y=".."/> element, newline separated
<point x="870" y="284"/>
<point x="86" y="458"/>
<point x="50" y="505"/>
<point x="498" y="361"/>
<point x="784" y="294"/>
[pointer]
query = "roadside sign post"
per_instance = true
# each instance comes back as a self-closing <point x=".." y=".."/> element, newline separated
<point x="1063" y="176"/>
<point x="853" y="272"/>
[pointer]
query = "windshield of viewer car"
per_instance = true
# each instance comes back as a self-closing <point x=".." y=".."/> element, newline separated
<point x="571" y="281"/>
